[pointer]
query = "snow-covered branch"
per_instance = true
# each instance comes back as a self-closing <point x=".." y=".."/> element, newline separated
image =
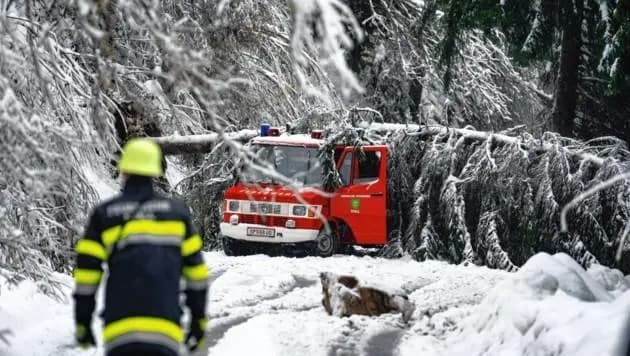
<point x="326" y="28"/>
<point x="586" y="194"/>
<point x="177" y="145"/>
<point x="482" y="136"/>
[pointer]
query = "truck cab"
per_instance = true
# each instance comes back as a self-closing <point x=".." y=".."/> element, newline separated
<point x="263" y="210"/>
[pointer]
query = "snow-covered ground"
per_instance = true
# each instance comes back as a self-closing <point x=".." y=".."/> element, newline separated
<point x="272" y="306"/>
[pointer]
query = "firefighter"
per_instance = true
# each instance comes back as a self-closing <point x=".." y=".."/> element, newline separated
<point x="148" y="244"/>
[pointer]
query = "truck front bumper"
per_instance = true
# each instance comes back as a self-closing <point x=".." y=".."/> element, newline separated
<point x="282" y="235"/>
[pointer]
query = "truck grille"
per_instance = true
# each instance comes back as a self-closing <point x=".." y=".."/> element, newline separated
<point x="263" y="220"/>
<point x="278" y="221"/>
<point x="265" y="208"/>
<point x="249" y="219"/>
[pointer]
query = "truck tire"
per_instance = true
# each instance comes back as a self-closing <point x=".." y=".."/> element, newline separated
<point x="327" y="243"/>
<point x="233" y="247"/>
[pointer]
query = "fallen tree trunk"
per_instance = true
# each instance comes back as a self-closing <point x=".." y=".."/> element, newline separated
<point x="178" y="145"/>
<point x="433" y="130"/>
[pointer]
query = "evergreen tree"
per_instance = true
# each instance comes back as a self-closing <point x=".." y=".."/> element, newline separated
<point x="579" y="47"/>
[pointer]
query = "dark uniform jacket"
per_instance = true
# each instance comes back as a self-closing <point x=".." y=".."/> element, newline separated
<point x="147" y="243"/>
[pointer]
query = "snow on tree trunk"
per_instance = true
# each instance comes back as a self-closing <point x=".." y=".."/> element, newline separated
<point x="177" y="145"/>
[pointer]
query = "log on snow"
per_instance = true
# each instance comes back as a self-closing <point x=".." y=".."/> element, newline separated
<point x="177" y="145"/>
<point x="345" y="296"/>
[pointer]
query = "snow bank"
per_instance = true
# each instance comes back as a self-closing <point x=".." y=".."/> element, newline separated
<point x="611" y="279"/>
<point x="40" y="325"/>
<point x="552" y="306"/>
<point x="546" y="274"/>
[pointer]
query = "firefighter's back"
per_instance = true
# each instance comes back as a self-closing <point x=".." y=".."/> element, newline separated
<point x="143" y="233"/>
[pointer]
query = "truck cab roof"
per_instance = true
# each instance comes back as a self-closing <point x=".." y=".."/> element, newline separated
<point x="288" y="140"/>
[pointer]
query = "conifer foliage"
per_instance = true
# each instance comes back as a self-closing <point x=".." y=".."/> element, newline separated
<point x="494" y="199"/>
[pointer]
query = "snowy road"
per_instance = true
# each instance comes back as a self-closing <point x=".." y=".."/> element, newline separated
<point x="272" y="306"/>
<point x="275" y="304"/>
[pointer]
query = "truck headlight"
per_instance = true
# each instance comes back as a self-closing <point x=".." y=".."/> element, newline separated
<point x="299" y="210"/>
<point x="233" y="205"/>
<point x="290" y="224"/>
<point x="234" y="219"/>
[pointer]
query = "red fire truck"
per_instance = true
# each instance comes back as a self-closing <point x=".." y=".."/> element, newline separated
<point x="260" y="212"/>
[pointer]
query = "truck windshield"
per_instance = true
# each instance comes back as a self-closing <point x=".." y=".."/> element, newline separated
<point x="299" y="164"/>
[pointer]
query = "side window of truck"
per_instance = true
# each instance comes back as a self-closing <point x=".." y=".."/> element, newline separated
<point x="345" y="171"/>
<point x="369" y="165"/>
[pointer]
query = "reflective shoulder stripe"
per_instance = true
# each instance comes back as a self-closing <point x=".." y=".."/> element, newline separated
<point x="143" y="324"/>
<point x="191" y="245"/>
<point x="91" y="248"/>
<point x="196" y="273"/>
<point x="87" y="276"/>
<point x="144" y="227"/>
<point x="155" y="227"/>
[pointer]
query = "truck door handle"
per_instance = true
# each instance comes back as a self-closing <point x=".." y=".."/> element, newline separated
<point x="377" y="194"/>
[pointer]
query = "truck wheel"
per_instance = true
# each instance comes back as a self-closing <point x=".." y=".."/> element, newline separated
<point x="327" y="243"/>
<point x="232" y="247"/>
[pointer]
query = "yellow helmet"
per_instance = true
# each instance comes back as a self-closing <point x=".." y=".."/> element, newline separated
<point x="141" y="157"/>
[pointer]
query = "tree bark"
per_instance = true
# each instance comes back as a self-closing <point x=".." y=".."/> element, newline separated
<point x="565" y="99"/>
<point x="362" y="11"/>
<point x="178" y="145"/>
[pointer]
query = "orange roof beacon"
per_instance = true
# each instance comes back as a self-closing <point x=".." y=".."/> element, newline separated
<point x="260" y="211"/>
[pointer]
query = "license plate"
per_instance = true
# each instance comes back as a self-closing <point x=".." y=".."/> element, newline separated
<point x="261" y="232"/>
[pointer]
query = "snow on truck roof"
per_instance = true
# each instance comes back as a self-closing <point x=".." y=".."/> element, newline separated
<point x="288" y="140"/>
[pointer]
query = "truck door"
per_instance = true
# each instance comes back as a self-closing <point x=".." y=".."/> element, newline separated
<point x="362" y="200"/>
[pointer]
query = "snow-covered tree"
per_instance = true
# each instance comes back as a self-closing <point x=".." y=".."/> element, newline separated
<point x="77" y="78"/>
<point x="416" y="71"/>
